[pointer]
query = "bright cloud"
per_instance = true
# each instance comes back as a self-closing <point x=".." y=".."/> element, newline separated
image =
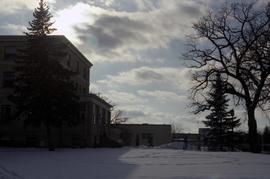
<point x="12" y="6"/>
<point x="67" y="19"/>
<point x="14" y="28"/>
<point x="123" y="98"/>
<point x="163" y="96"/>
<point x="135" y="47"/>
<point x="170" y="77"/>
<point x="114" y="35"/>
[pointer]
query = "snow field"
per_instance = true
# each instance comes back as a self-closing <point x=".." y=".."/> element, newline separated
<point x="128" y="163"/>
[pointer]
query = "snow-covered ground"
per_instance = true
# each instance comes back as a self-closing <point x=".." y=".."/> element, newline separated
<point x="129" y="163"/>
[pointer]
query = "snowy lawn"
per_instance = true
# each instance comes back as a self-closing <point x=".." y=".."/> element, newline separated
<point x="128" y="163"/>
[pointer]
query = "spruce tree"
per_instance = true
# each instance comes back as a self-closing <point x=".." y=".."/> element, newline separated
<point x="220" y="121"/>
<point x="44" y="93"/>
<point x="41" y="24"/>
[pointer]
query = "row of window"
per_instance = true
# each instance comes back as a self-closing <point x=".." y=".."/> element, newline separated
<point x="10" y="54"/>
<point x="8" y="79"/>
<point x="77" y="67"/>
<point x="9" y="76"/>
<point x="101" y="116"/>
<point x="80" y="89"/>
<point x="100" y="120"/>
<point x="5" y="112"/>
<point x="147" y="135"/>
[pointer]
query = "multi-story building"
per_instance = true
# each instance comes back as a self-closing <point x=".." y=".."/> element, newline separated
<point x="94" y="114"/>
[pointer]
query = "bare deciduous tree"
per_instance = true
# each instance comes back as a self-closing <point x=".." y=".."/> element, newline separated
<point x="235" y="42"/>
<point x="117" y="117"/>
<point x="176" y="128"/>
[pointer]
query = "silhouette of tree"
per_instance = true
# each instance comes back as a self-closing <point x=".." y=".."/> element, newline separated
<point x="176" y="128"/>
<point x="266" y="133"/>
<point x="117" y="117"/>
<point x="232" y="122"/>
<point x="41" y="24"/>
<point x="44" y="93"/>
<point x="266" y="139"/>
<point x="234" y="42"/>
<point x="220" y="120"/>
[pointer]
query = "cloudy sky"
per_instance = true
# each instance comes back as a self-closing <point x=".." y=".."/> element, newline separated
<point x="135" y="46"/>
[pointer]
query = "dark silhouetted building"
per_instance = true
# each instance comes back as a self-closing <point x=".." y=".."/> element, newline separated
<point x="94" y="114"/>
<point x="141" y="134"/>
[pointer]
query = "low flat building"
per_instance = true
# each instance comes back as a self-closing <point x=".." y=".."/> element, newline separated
<point x="187" y="141"/>
<point x="141" y="134"/>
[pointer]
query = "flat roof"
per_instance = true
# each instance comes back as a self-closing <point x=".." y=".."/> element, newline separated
<point x="96" y="97"/>
<point x="22" y="38"/>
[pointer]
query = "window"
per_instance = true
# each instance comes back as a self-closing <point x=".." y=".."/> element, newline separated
<point x="8" y="79"/>
<point x="109" y="117"/>
<point x="97" y="115"/>
<point x="10" y="53"/>
<point x="82" y="107"/>
<point x="104" y="117"/>
<point x="146" y="135"/>
<point x="76" y="86"/>
<point x="68" y="63"/>
<point x="83" y="116"/>
<point x="85" y="73"/>
<point x="5" y="112"/>
<point x="77" y="66"/>
<point x="94" y="120"/>
<point x="68" y="57"/>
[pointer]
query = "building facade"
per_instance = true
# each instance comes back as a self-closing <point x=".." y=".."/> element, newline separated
<point x="141" y="134"/>
<point x="94" y="115"/>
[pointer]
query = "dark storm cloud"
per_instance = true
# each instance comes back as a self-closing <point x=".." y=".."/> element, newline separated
<point x="124" y="5"/>
<point x="20" y="18"/>
<point x="135" y="113"/>
<point x="191" y="10"/>
<point x="147" y="74"/>
<point x="104" y="39"/>
<point x="172" y="55"/>
<point x="120" y="22"/>
<point x="61" y="4"/>
<point x="112" y="32"/>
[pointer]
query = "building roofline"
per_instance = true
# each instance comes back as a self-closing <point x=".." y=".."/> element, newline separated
<point x="100" y="99"/>
<point x="77" y="51"/>
<point x="21" y="38"/>
<point x="96" y="97"/>
<point x="12" y="37"/>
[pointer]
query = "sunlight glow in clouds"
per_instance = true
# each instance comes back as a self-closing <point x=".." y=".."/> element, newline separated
<point x="72" y="17"/>
<point x="135" y="46"/>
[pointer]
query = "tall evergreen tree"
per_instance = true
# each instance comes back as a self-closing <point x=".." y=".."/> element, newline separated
<point x="220" y="121"/>
<point x="41" y="24"/>
<point x="44" y="93"/>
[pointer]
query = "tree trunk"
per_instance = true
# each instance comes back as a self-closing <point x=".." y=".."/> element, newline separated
<point x="220" y="137"/>
<point x="60" y="141"/>
<point x="232" y="140"/>
<point x="252" y="132"/>
<point x="49" y="136"/>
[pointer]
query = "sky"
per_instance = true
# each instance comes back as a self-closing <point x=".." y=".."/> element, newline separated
<point x="136" y="48"/>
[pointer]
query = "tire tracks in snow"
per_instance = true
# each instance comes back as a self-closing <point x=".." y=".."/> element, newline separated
<point x="7" y="174"/>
